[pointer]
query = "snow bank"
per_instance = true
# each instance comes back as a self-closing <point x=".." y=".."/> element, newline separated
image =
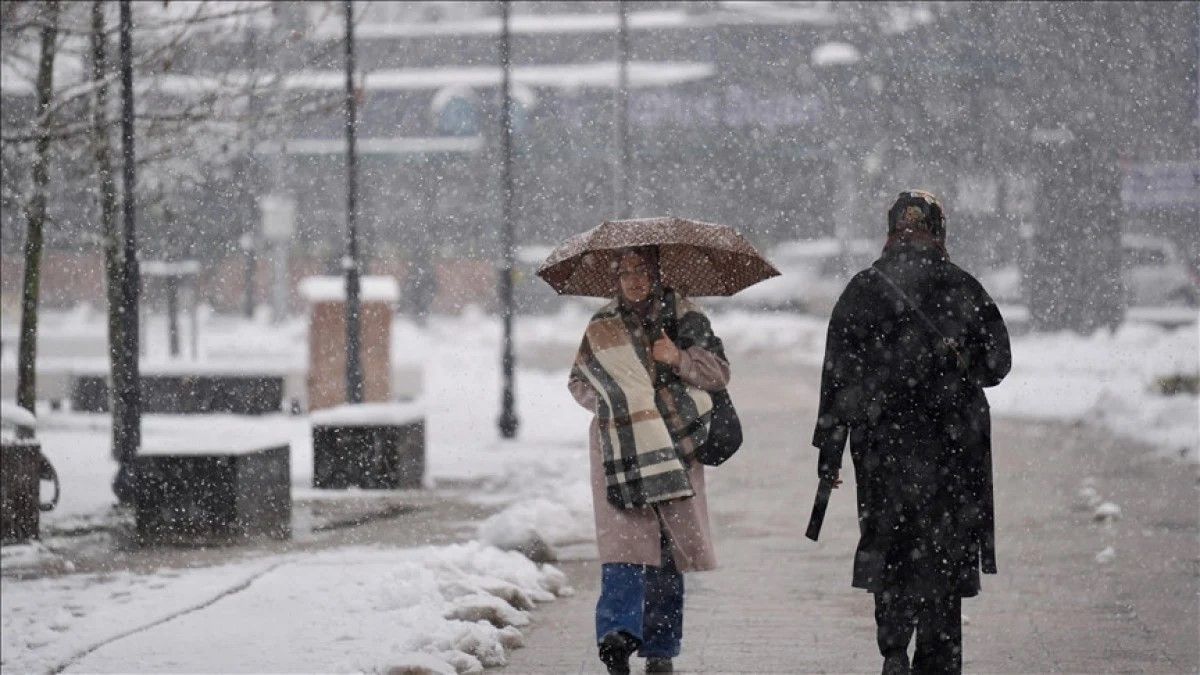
<point x="445" y="609"/>
<point x="1110" y="380"/>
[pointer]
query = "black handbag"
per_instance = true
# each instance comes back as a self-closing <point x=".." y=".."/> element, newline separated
<point x="724" y="431"/>
<point x="724" y="428"/>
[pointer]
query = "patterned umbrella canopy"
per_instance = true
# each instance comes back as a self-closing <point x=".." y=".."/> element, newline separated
<point x="696" y="258"/>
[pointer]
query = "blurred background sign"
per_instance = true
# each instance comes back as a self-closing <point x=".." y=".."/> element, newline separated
<point x="1161" y="185"/>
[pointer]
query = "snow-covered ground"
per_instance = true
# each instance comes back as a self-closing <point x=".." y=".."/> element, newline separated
<point x="450" y="609"/>
<point x="447" y="609"/>
<point x="455" y="608"/>
<point x="1110" y="380"/>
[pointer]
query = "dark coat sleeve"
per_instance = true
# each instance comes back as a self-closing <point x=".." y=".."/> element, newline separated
<point x="842" y="391"/>
<point x="985" y="343"/>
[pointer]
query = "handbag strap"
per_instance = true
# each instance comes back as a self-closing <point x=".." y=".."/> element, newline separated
<point x="908" y="302"/>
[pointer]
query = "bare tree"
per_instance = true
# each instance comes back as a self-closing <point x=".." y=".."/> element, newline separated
<point x="107" y="197"/>
<point x="195" y="121"/>
<point x="35" y="213"/>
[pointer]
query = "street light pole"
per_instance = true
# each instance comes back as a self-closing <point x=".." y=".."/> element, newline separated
<point x="350" y="263"/>
<point x="126" y="377"/>
<point x="508" y="417"/>
<point x="622" y="204"/>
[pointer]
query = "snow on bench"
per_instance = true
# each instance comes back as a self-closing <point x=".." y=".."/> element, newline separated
<point x="221" y="483"/>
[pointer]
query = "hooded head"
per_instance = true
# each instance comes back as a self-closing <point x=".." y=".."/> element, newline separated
<point x="917" y="217"/>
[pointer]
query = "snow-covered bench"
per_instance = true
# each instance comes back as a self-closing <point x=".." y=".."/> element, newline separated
<point x="188" y="387"/>
<point x="369" y="445"/>
<point x="220" y="487"/>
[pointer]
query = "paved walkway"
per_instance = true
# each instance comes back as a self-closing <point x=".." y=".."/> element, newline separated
<point x="782" y="604"/>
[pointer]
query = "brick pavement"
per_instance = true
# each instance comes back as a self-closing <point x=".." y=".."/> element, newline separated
<point x="782" y="604"/>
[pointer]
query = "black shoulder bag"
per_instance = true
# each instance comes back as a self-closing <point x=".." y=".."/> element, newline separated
<point x="725" y="428"/>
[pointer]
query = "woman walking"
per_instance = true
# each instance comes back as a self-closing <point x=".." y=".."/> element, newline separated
<point x="646" y="364"/>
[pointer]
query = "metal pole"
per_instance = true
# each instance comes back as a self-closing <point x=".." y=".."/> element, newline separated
<point x="508" y="417"/>
<point x="127" y="382"/>
<point x="622" y="204"/>
<point x="350" y="264"/>
<point x="195" y="315"/>
<point x="173" y="313"/>
<point x="251" y="265"/>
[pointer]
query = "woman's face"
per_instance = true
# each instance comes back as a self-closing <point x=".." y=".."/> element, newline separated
<point x="635" y="277"/>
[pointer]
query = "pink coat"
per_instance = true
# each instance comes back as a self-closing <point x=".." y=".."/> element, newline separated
<point x="632" y="535"/>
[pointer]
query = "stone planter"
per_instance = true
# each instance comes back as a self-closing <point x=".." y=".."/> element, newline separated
<point x="371" y="446"/>
<point x="188" y="393"/>
<point x="209" y="497"/>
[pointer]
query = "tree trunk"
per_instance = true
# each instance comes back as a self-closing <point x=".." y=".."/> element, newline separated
<point x="35" y="216"/>
<point x="111" y="228"/>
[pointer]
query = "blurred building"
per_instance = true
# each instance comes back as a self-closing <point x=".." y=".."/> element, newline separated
<point x="786" y="119"/>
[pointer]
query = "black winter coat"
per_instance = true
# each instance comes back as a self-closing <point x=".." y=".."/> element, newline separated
<point x="917" y="421"/>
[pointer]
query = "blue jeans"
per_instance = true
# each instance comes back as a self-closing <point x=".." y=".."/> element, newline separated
<point x="644" y="601"/>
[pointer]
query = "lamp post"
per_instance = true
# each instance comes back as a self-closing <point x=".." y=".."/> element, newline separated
<point x="621" y="198"/>
<point x="508" y="417"/>
<point x="350" y="263"/>
<point x="247" y="244"/>
<point x="127" y="423"/>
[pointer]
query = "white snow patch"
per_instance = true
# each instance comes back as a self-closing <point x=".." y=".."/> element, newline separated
<point x="835" y="54"/>
<point x="13" y="416"/>
<point x="532" y="522"/>
<point x="417" y="663"/>
<point x="1107" y="511"/>
<point x="369" y="414"/>
<point x="333" y="289"/>
<point x="1109" y="380"/>
<point x="32" y="554"/>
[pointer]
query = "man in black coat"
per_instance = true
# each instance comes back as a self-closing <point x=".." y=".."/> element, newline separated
<point x="912" y="342"/>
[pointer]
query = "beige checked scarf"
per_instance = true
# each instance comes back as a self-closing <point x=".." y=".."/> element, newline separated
<point x="649" y="418"/>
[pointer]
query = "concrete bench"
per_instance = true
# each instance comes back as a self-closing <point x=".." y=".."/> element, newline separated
<point x="188" y="393"/>
<point x="212" y="491"/>
<point x="369" y="445"/>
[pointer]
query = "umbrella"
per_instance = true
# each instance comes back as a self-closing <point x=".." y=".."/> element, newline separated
<point x="695" y="258"/>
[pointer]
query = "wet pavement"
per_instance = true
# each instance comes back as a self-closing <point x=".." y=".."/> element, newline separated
<point x="782" y="604"/>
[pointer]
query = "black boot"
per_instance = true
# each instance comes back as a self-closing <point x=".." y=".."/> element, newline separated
<point x="659" y="664"/>
<point x="615" y="650"/>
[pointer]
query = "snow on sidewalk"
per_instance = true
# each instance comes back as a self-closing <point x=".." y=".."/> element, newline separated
<point x="457" y="607"/>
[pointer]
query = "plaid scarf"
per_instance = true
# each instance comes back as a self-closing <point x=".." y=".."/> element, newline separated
<point x="650" y="420"/>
